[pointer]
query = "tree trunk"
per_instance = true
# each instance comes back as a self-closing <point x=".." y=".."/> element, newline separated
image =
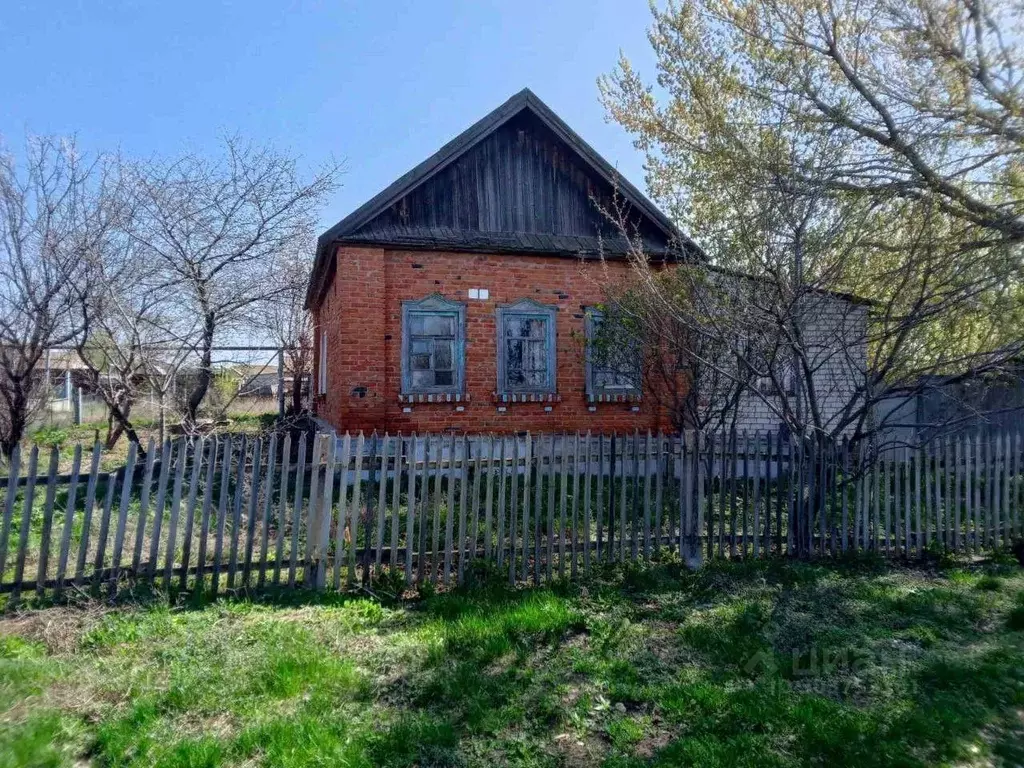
<point x="162" y="418"/>
<point x="17" y="421"/>
<point x="205" y="376"/>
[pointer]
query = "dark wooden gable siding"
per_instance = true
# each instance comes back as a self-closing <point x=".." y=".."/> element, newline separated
<point x="520" y="179"/>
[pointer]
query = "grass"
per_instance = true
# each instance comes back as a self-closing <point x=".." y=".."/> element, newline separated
<point x="65" y="436"/>
<point x="770" y="663"/>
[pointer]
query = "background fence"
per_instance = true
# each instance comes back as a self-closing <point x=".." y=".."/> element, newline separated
<point x="224" y="513"/>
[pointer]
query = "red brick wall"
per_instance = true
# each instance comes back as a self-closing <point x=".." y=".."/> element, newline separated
<point x="362" y="312"/>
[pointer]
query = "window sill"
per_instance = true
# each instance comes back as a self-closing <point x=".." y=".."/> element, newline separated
<point x="526" y="397"/>
<point x="616" y="397"/>
<point x="433" y="397"/>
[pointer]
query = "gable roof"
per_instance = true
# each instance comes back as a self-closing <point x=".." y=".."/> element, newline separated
<point x="438" y="205"/>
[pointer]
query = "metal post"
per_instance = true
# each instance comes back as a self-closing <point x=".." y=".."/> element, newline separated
<point x="47" y="390"/>
<point x="280" y="382"/>
<point x="76" y="407"/>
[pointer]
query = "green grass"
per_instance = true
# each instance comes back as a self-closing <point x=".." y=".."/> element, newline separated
<point x="754" y="664"/>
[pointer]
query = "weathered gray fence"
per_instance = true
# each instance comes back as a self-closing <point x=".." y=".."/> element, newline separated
<point x="324" y="512"/>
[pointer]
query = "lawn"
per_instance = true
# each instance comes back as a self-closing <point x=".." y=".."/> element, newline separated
<point x="768" y="663"/>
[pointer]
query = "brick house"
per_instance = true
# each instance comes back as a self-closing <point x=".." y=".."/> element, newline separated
<point x="494" y="242"/>
<point x="464" y="294"/>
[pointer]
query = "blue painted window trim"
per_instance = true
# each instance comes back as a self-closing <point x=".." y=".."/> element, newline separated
<point x="435" y="304"/>
<point x="528" y="308"/>
<point x="590" y="315"/>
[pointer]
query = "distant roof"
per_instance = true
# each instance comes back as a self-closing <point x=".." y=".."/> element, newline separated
<point x="519" y="180"/>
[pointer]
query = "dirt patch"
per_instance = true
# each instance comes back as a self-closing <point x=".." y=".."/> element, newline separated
<point x="579" y="751"/>
<point x="59" y="628"/>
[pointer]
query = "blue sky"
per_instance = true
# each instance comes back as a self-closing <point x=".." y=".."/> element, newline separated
<point x="379" y="85"/>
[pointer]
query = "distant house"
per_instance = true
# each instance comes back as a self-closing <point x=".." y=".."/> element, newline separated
<point x="258" y="381"/>
<point x="464" y="295"/>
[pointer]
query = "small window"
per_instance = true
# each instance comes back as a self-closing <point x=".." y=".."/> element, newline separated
<point x="757" y="358"/>
<point x="321" y="386"/>
<point x="433" y="338"/>
<point x="613" y="359"/>
<point x="526" y="348"/>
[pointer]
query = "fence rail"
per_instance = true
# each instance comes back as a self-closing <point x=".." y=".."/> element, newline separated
<point x="322" y="511"/>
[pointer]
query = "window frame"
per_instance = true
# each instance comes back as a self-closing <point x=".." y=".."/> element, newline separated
<point x="435" y="304"/>
<point x="528" y="308"/>
<point x="590" y="314"/>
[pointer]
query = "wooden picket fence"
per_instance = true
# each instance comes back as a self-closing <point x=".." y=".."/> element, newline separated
<point x="321" y="511"/>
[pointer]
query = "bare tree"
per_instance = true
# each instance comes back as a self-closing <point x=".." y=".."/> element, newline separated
<point x="289" y="324"/>
<point x="129" y="324"/>
<point x="56" y="212"/>
<point x="215" y="228"/>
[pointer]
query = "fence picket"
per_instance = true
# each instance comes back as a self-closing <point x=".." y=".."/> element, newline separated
<point x="300" y="476"/>
<point x="372" y="459"/>
<point x="587" y="482"/>
<point x="122" y="518"/>
<point x="104" y="532"/>
<point x="204" y="520"/>
<point x="538" y="509"/>
<point x="13" y="476"/>
<point x="356" y="510"/>
<point x="511" y="515"/>
<point x="647" y="497"/>
<point x="549" y="548"/>
<point x="26" y="520"/>
<point x="140" y="529"/>
<point x="236" y="511"/>
<point x="598" y="500"/>
<point x="250" y="516"/>
<point x="1004" y="502"/>
<point x="500" y="508"/>
<point x="396" y="500"/>
<point x="44" y="542"/>
<point x="190" y="511"/>
<point x="474" y="507"/>
<point x="743" y="538"/>
<point x="411" y="499"/>
<point x="449" y="517"/>
<point x="282" y="507"/>
<point x="222" y="512"/>
<point x="527" y="475"/>
<point x="574" y="509"/>
<point x="623" y="484"/>
<point x="425" y="502"/>
<point x="268" y="500"/>
<point x="563" y="498"/>
<point x="685" y="543"/>
<point x="166" y="453"/>
<point x="69" y="519"/>
<point x="341" y="466"/>
<point x="435" y="529"/>
<point x="172" y="521"/>
<point x="385" y="449"/>
<point x="410" y="508"/>
<point x="463" y="493"/>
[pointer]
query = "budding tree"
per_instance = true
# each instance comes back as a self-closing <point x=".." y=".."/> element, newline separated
<point x="834" y="148"/>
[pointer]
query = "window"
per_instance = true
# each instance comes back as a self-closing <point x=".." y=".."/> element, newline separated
<point x="760" y="357"/>
<point x="526" y="348"/>
<point x="613" y="360"/>
<point x="433" y="338"/>
<point x="321" y="385"/>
